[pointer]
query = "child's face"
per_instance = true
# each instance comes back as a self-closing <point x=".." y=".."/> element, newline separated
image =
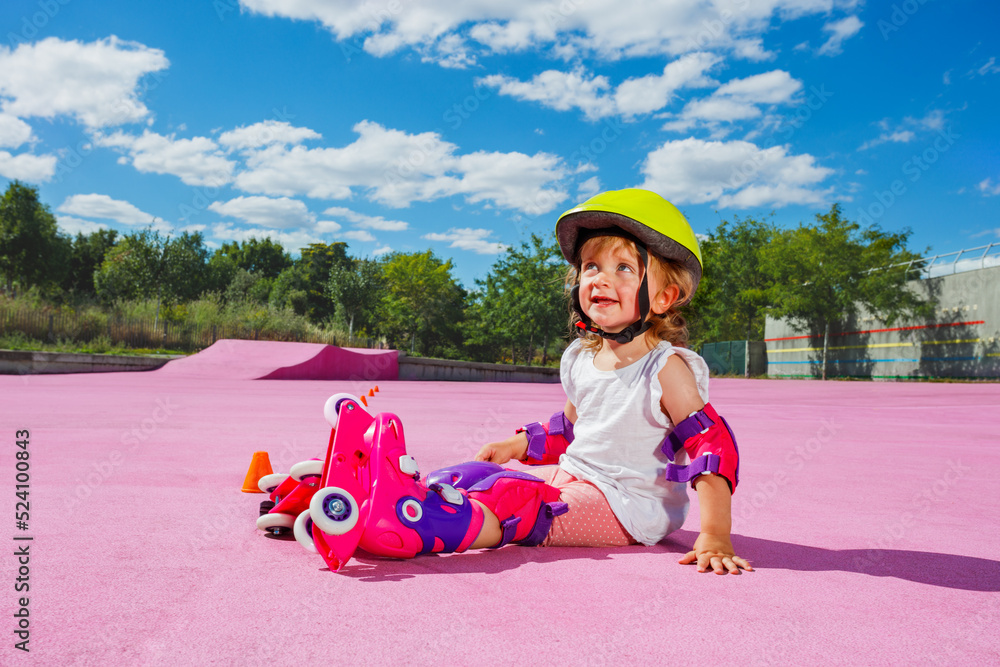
<point x="609" y="283"/>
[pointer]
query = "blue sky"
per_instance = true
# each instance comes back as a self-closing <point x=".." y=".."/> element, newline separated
<point x="465" y="126"/>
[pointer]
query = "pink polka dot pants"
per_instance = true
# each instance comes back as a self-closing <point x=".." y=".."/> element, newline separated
<point x="589" y="521"/>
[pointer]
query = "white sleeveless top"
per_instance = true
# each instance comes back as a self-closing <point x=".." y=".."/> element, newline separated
<point x="617" y="437"/>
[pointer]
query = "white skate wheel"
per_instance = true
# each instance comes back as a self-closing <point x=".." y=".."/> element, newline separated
<point x="304" y="469"/>
<point x="331" y="410"/>
<point x="275" y="520"/>
<point x="334" y="510"/>
<point x="303" y="532"/>
<point x="268" y="483"/>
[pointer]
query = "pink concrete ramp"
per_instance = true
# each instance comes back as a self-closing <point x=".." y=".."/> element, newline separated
<point x="869" y="510"/>
<point x="275" y="360"/>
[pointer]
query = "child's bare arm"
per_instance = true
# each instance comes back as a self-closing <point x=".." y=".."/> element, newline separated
<point x="713" y="549"/>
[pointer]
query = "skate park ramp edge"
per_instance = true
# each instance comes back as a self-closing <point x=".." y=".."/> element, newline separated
<point x="280" y="360"/>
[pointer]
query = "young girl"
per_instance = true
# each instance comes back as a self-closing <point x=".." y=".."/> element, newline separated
<point x="636" y="426"/>
<point x="631" y="386"/>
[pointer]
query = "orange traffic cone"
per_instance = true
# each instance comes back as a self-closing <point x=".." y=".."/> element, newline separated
<point x="260" y="465"/>
<point x="376" y="388"/>
<point x="371" y="392"/>
<point x="364" y="400"/>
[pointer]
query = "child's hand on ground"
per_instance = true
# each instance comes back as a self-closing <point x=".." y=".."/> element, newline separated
<point x="715" y="552"/>
<point x="505" y="450"/>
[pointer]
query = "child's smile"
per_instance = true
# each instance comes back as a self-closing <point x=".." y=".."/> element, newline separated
<point x="609" y="282"/>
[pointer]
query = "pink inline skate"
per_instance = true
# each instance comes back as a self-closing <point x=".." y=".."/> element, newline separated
<point x="371" y="497"/>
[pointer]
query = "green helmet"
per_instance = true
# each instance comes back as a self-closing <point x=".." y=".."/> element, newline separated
<point x="645" y="215"/>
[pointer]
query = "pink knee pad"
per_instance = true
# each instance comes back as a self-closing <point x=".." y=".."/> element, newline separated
<point x="524" y="504"/>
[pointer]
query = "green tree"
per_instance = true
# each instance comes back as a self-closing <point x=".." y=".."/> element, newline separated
<point x="145" y="264"/>
<point x="422" y="305"/>
<point x="86" y="257"/>
<point x="315" y="264"/>
<point x="264" y="257"/>
<point x="290" y="290"/>
<point x="826" y="273"/>
<point x="32" y="251"/>
<point x="522" y="303"/>
<point x="734" y="293"/>
<point x="356" y="292"/>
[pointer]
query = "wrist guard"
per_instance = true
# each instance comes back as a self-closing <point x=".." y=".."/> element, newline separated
<point x="709" y="443"/>
<point x="546" y="442"/>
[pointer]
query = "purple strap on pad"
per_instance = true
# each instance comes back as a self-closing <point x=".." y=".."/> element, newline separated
<point x="701" y="464"/>
<point x="688" y="428"/>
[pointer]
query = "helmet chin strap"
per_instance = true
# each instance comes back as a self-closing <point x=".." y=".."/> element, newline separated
<point x="628" y="334"/>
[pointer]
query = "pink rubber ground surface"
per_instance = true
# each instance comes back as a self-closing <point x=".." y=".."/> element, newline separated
<point x="869" y="509"/>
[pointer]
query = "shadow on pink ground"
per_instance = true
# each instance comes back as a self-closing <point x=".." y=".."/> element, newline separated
<point x="868" y="509"/>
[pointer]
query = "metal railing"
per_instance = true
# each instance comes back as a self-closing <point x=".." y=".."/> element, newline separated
<point x="961" y="260"/>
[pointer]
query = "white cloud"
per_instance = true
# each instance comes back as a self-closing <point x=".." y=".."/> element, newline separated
<point x="367" y="221"/>
<point x="358" y="235"/>
<point x="397" y="168"/>
<point x="739" y="99"/>
<point x="561" y="91"/>
<point x="328" y="227"/>
<point x="588" y="188"/>
<point x="74" y="226"/>
<point x="989" y="188"/>
<point x="475" y="240"/>
<point x="734" y="174"/>
<point x="381" y="250"/>
<point x="27" y="167"/>
<point x="104" y="207"/>
<point x="752" y="49"/>
<point x="511" y="180"/>
<point x="196" y="161"/>
<point x="990" y="67"/>
<point x="14" y="132"/>
<point x="456" y="33"/>
<point x="594" y="95"/>
<point x="96" y="82"/>
<point x="907" y="130"/>
<point x="280" y="213"/>
<point x="839" y="31"/>
<point x="265" y="133"/>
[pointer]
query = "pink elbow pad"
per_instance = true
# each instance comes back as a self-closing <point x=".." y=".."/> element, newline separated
<point x="709" y="443"/>
<point x="547" y="442"/>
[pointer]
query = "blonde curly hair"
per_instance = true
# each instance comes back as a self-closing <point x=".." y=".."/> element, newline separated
<point x="669" y="326"/>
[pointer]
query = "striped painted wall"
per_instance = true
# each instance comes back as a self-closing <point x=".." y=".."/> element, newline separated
<point x="961" y="340"/>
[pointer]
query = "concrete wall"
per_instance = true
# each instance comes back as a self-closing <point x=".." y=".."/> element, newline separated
<point x="961" y="340"/>
<point x="420" y="368"/>
<point x="16" y="362"/>
<point x="23" y="362"/>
